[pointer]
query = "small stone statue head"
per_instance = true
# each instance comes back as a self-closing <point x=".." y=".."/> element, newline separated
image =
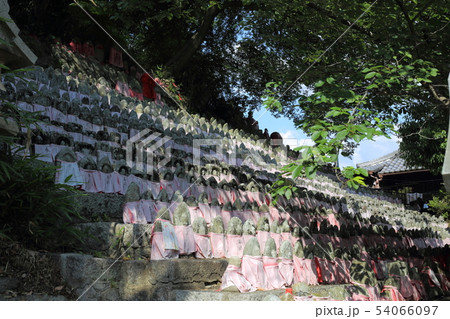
<point x="263" y="224"/>
<point x="249" y="227"/>
<point x="217" y="225"/>
<point x="181" y="215"/>
<point x="199" y="226"/>
<point x="252" y="248"/>
<point x="234" y="226"/>
<point x="286" y="250"/>
<point x="298" y="250"/>
<point x="270" y="250"/>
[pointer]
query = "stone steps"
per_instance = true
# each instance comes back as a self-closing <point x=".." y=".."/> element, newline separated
<point x="107" y="279"/>
<point x="209" y="295"/>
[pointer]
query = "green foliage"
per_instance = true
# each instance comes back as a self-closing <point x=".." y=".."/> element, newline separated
<point x="167" y="82"/>
<point x="346" y="124"/>
<point x="33" y="209"/>
<point x="440" y="204"/>
<point x="401" y="47"/>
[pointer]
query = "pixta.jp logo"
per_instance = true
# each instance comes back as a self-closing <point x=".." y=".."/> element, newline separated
<point x="145" y="149"/>
<point x="148" y="151"/>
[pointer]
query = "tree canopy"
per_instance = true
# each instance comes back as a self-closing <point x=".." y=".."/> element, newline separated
<point x="223" y="53"/>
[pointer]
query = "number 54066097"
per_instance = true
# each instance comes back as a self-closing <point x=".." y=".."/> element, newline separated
<point x="406" y="310"/>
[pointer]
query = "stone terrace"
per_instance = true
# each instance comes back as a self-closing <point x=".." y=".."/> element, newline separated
<point x="193" y="226"/>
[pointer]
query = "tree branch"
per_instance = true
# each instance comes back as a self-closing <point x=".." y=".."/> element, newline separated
<point x="342" y="20"/>
<point x="180" y="59"/>
<point x="407" y="18"/>
<point x="423" y="9"/>
<point x="442" y="99"/>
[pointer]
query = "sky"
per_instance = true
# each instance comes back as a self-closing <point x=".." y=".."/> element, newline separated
<point x="367" y="150"/>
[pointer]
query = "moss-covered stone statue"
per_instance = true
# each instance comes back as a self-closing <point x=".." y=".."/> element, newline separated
<point x="286" y="250"/>
<point x="249" y="228"/>
<point x="163" y="213"/>
<point x="163" y="196"/>
<point x="181" y="215"/>
<point x="191" y="201"/>
<point x="217" y="226"/>
<point x="147" y="195"/>
<point x="132" y="194"/>
<point x="284" y="227"/>
<point x="298" y="250"/>
<point x="263" y="224"/>
<point x="105" y="165"/>
<point x="199" y="226"/>
<point x="252" y="248"/>
<point x="66" y="155"/>
<point x="234" y="226"/>
<point x="361" y="272"/>
<point x="275" y="227"/>
<point x="270" y="250"/>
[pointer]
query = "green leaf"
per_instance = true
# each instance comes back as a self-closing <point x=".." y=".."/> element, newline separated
<point x="370" y="75"/>
<point x="315" y="135"/>
<point x="297" y="171"/>
<point x="330" y="80"/>
<point x="67" y="179"/>
<point x="319" y="84"/>
<point x="433" y="72"/>
<point x="341" y="135"/>
<point x="288" y="194"/>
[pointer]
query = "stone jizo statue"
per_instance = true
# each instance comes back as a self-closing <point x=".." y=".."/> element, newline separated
<point x="270" y="250"/>
<point x="181" y="215"/>
<point x="234" y="226"/>
<point x="199" y="226"/>
<point x="252" y="248"/>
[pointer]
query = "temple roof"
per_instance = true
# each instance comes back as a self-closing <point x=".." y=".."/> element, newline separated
<point x="388" y="164"/>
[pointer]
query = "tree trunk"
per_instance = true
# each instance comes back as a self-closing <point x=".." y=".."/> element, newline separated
<point x="179" y="61"/>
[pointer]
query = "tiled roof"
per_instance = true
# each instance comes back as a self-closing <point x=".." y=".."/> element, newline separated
<point x="390" y="163"/>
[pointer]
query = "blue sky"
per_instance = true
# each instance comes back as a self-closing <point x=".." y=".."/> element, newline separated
<point x="368" y="150"/>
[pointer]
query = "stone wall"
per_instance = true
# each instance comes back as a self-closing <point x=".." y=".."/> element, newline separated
<point x="136" y="279"/>
<point x="114" y="240"/>
<point x="100" y="207"/>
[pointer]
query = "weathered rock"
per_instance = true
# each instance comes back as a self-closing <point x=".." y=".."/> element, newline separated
<point x="137" y="279"/>
<point x="271" y="297"/>
<point x="100" y="207"/>
<point x="8" y="283"/>
<point x="113" y="239"/>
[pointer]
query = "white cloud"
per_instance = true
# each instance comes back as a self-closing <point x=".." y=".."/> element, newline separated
<point x="370" y="150"/>
<point x="306" y="142"/>
<point x="290" y="137"/>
